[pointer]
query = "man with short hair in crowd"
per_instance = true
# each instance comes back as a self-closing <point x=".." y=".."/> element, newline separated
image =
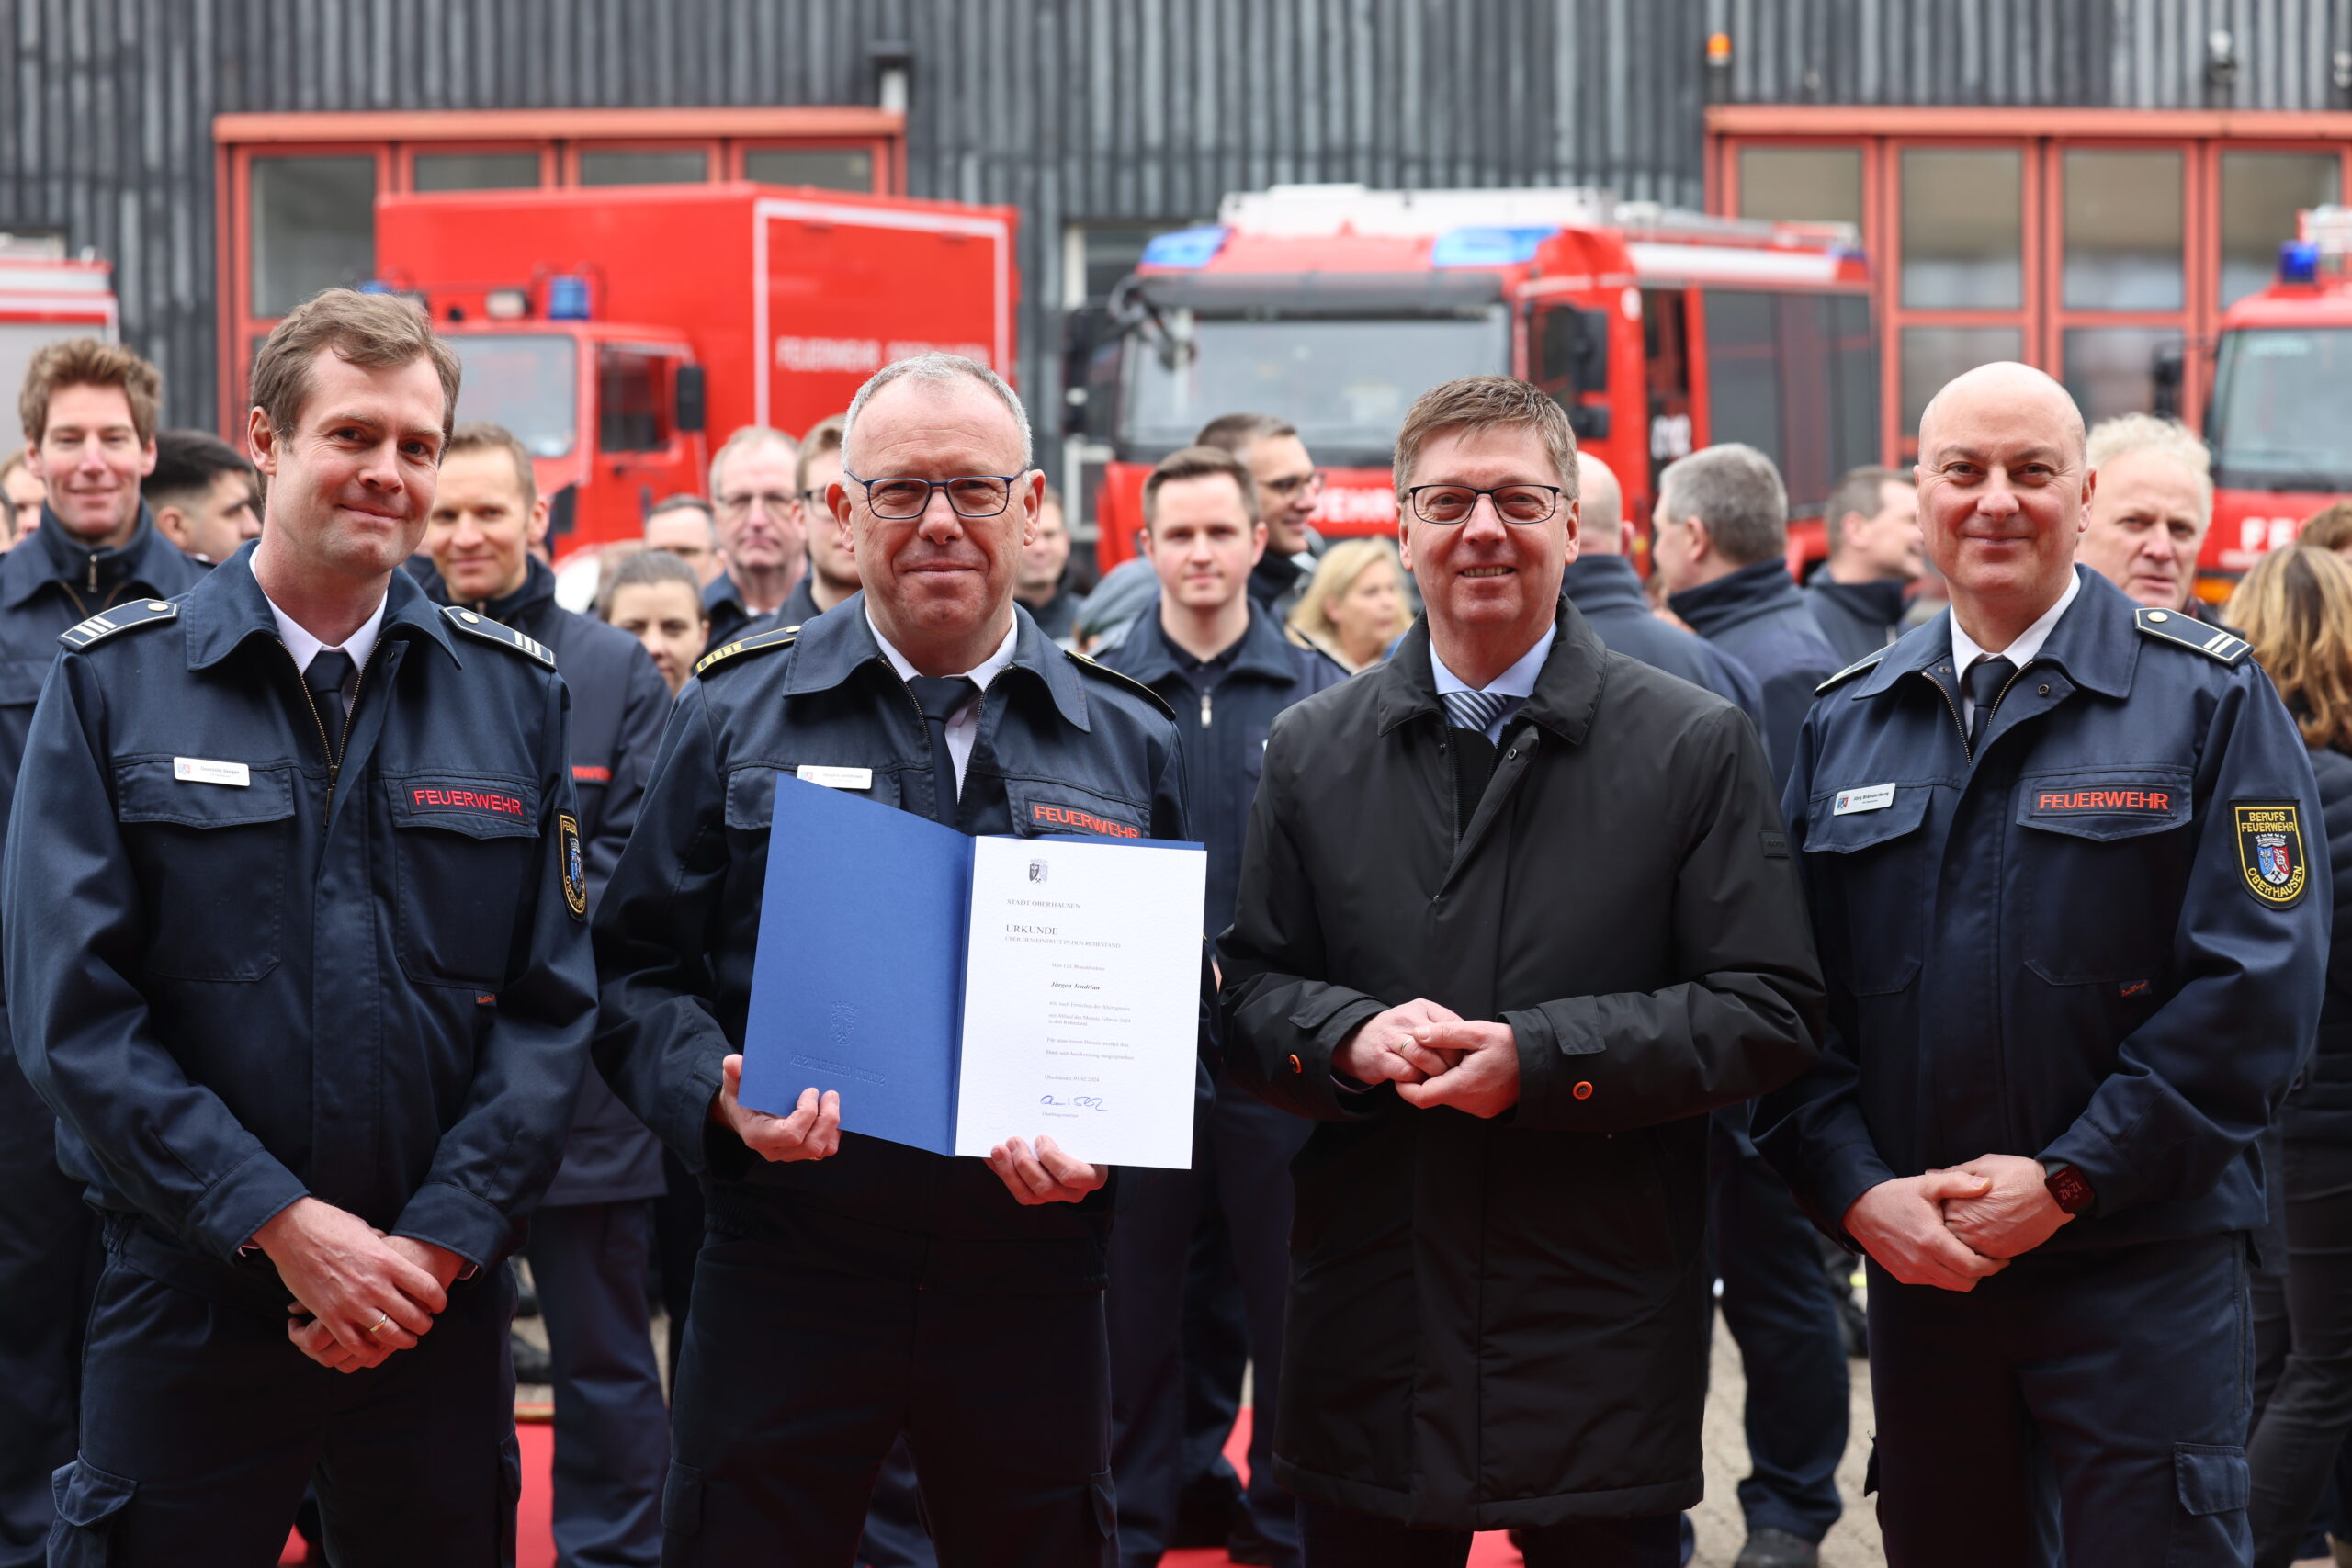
<point x="1720" y="544"/>
<point x="1224" y="666"/>
<point x="832" y="576"/>
<point x="755" y="494"/>
<point x="590" y="1239"/>
<point x="1289" y="487"/>
<point x="2151" y="504"/>
<point x="202" y="494"/>
<point x="1042" y="584"/>
<point x="685" y="526"/>
<point x="88" y="411"/>
<point x="1872" y="520"/>
<point x="1500" y="1287"/>
<point x="23" y="491"/>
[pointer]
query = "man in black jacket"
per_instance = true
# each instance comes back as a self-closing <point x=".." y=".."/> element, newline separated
<point x="590" y="1238"/>
<point x="1875" y="554"/>
<point x="1224" y="667"/>
<point x="89" y="413"/>
<point x="1468" y="1350"/>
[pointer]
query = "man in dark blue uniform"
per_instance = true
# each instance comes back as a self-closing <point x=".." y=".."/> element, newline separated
<point x="89" y="412"/>
<point x="590" y="1241"/>
<point x="296" y="951"/>
<point x="755" y="503"/>
<point x="2059" y="853"/>
<point x="1223" y="665"/>
<point x="854" y="1289"/>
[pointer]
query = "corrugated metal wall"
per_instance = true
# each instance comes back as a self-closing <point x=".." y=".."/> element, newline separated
<point x="1075" y="110"/>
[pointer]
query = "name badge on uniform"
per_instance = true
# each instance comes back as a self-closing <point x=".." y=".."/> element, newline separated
<point x="837" y="778"/>
<point x="1869" y="798"/>
<point x="196" y="770"/>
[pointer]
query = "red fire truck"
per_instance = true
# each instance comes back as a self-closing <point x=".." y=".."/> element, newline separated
<point x="621" y="333"/>
<point x="1334" y="307"/>
<point x="45" y="297"/>
<point x="2281" y="439"/>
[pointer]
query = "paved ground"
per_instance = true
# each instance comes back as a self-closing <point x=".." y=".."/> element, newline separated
<point x="1852" y="1543"/>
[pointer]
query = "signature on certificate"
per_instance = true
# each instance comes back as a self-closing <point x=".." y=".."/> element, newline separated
<point x="1072" y="1102"/>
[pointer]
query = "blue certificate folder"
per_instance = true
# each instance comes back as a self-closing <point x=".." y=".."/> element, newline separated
<point x="858" y="983"/>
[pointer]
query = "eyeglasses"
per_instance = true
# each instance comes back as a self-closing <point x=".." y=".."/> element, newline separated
<point x="1309" y="483"/>
<point x="970" y="495"/>
<point x="774" y="502"/>
<point x="1519" y="504"/>
<point x="814" y="498"/>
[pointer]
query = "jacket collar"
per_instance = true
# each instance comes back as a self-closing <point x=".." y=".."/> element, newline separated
<point x="52" y="555"/>
<point x="527" y="604"/>
<point x="1596" y="582"/>
<point x="227" y="609"/>
<point x="2096" y="642"/>
<point x="1567" y="693"/>
<point x="1880" y="602"/>
<point x="1713" y="608"/>
<point x="1149" y="658"/>
<point x="838" y="643"/>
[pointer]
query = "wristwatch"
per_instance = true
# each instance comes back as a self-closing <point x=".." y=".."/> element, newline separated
<point x="2067" y="1188"/>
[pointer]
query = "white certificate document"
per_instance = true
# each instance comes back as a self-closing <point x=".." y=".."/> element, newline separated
<point x="1082" y="998"/>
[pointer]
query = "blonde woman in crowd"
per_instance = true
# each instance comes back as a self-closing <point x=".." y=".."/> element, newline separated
<point x="1355" y="606"/>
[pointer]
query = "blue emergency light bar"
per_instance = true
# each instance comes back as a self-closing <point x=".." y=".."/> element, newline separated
<point x="1186" y="248"/>
<point x="567" y="298"/>
<point x="2298" y="262"/>
<point x="1487" y="248"/>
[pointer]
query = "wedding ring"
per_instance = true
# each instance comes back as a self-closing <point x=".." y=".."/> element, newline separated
<point x="383" y="1322"/>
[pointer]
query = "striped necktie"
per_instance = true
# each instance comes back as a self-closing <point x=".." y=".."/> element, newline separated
<point x="1475" y="711"/>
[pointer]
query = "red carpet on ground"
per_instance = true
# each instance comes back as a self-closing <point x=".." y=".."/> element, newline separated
<point x="536" y="1547"/>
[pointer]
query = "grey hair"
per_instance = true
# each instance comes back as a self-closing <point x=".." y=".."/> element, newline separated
<point x="2129" y="433"/>
<point x="1736" y="493"/>
<point x="747" y="437"/>
<point x="940" y="369"/>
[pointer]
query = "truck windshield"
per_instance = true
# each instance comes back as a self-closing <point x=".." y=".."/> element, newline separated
<point x="529" y="382"/>
<point x="1346" y="384"/>
<point x="2278" y="419"/>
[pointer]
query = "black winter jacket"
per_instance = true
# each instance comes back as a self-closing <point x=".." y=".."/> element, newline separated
<point x="2321" y="1106"/>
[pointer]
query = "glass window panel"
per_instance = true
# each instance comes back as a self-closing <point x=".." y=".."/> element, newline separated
<point x="2261" y="193"/>
<point x="1822" y="184"/>
<point x="525" y="381"/>
<point x="2112" y="370"/>
<point x="629" y="416"/>
<point x="1743" y="370"/>
<point x="2124" y="232"/>
<point x="2277" y="421"/>
<point x="833" y="168"/>
<point x="476" y="171"/>
<point x="686" y="167"/>
<point x="1933" y="356"/>
<point x="313" y="226"/>
<point x="1963" y="234"/>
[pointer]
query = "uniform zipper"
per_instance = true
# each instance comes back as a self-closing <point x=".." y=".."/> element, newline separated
<point x="1204" y="709"/>
<point x="1953" y="708"/>
<point x="333" y="755"/>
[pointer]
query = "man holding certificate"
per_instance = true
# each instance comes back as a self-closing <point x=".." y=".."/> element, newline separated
<point x="1515" y="913"/>
<point x="852" y="1288"/>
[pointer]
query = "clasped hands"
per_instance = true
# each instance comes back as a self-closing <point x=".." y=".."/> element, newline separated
<point x="813" y="1131"/>
<point x="1435" y="1057"/>
<point x="1951" y="1227"/>
<point x="359" y="1295"/>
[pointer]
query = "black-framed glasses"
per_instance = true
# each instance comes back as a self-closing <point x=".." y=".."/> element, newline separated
<point x="904" y="500"/>
<point x="1289" y="485"/>
<point x="1522" y="505"/>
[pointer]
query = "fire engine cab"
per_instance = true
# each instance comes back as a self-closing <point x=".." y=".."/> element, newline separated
<point x="2281" y="441"/>
<point x="1334" y="307"/>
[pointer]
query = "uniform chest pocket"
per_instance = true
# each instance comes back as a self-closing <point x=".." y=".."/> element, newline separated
<point x="751" y="789"/>
<point x="21" y="681"/>
<point x="1045" y="810"/>
<point x="464" y="847"/>
<point x="211" y="860"/>
<point x="2101" y="863"/>
<point x="1880" y="870"/>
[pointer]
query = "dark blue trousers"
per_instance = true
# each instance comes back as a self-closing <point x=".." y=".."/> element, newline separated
<point x="2124" y="1375"/>
<point x="816" y="1341"/>
<point x="612" y="1427"/>
<point x="1144" y="1307"/>
<point x="202" y="1424"/>
<point x="1780" y="1307"/>
<point x="48" y="1264"/>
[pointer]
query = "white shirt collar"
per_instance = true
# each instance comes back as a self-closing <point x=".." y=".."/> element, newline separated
<point x="1518" y="680"/>
<point x="980" y="674"/>
<point x="304" y="646"/>
<point x="2028" y="643"/>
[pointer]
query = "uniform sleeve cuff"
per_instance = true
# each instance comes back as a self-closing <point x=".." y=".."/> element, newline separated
<point x="224" y="1220"/>
<point x="2100" y="1163"/>
<point x="455" y="1221"/>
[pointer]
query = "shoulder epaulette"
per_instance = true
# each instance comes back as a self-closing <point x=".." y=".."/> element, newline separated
<point x="2171" y="626"/>
<point x="121" y="618"/>
<point x="1095" y="667"/>
<point x="780" y="637"/>
<point x="1856" y="667"/>
<point x="498" y="634"/>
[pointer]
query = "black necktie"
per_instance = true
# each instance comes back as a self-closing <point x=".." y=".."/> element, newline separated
<point x="329" y="676"/>
<point x="938" y="696"/>
<point x="1987" y="678"/>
